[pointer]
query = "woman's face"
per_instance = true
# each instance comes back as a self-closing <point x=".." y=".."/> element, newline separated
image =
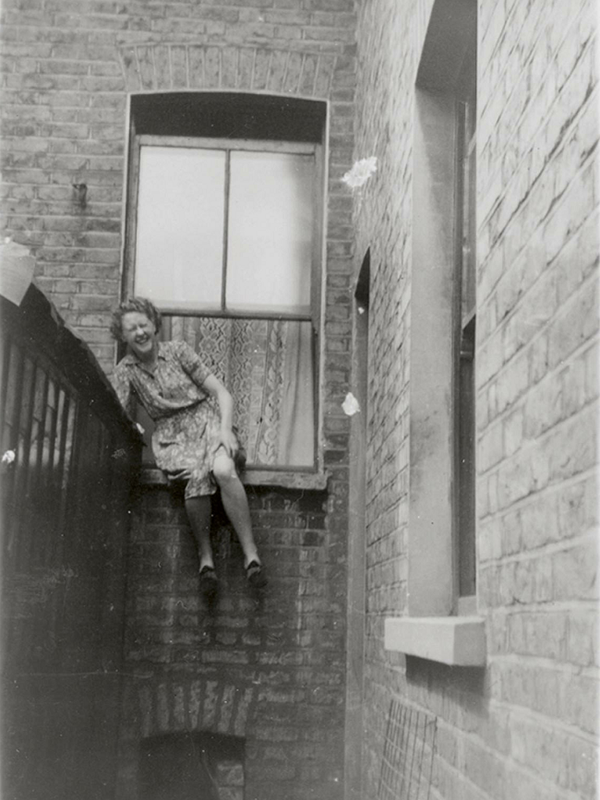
<point x="139" y="333"/>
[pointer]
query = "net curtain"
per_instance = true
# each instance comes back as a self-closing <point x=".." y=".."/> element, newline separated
<point x="267" y="365"/>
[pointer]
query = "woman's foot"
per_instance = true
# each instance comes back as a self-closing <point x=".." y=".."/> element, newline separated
<point x="208" y="581"/>
<point x="256" y="575"/>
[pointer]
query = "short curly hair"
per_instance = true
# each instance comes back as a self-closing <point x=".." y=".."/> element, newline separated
<point x="141" y="306"/>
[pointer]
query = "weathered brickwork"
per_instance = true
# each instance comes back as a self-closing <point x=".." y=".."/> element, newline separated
<point x="383" y="203"/>
<point x="526" y="726"/>
<point x="268" y="668"/>
<point x="67" y="69"/>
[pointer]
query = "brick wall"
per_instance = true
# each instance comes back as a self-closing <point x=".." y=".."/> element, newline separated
<point x="526" y="726"/>
<point x="385" y="131"/>
<point x="67" y="69"/>
<point x="267" y="668"/>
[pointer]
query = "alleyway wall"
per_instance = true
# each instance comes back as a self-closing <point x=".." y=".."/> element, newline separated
<point x="523" y="726"/>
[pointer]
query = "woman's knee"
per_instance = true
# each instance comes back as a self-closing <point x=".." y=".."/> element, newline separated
<point x="224" y="469"/>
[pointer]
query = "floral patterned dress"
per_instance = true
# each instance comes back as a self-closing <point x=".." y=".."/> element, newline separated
<point x="187" y="424"/>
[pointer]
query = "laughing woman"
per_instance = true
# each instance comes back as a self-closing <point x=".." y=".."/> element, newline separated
<point x="191" y="442"/>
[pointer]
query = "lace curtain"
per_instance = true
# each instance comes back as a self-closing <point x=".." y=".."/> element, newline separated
<point x="267" y="365"/>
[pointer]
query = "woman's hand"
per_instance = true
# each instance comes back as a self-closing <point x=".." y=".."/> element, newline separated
<point x="228" y="440"/>
<point x="179" y="476"/>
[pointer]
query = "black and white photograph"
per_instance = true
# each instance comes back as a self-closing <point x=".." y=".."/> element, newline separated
<point x="299" y="399"/>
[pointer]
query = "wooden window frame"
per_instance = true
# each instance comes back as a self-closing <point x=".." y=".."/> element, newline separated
<point x="228" y="146"/>
<point x="302" y="477"/>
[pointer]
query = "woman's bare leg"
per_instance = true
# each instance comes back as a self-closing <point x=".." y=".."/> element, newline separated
<point x="235" y="504"/>
<point x="198" y="510"/>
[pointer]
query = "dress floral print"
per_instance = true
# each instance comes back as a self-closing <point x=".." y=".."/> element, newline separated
<point x="187" y="424"/>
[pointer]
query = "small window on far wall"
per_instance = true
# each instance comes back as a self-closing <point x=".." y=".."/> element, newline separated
<point x="224" y="235"/>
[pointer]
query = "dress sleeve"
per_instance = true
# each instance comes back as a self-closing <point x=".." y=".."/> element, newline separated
<point x="122" y="386"/>
<point x="191" y="363"/>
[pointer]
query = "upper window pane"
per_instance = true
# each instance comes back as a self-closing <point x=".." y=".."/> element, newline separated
<point x="179" y="239"/>
<point x="270" y="231"/>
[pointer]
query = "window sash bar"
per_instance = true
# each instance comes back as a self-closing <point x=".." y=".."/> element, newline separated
<point x="186" y="311"/>
<point x="226" y="230"/>
<point x="203" y="143"/>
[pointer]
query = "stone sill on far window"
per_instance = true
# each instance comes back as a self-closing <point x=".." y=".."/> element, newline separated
<point x="315" y="481"/>
<point x="457" y="641"/>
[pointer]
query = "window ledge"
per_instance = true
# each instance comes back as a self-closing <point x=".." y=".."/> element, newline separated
<point x="457" y="641"/>
<point x="315" y="481"/>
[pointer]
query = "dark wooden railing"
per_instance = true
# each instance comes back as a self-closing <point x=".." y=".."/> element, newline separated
<point x="69" y="457"/>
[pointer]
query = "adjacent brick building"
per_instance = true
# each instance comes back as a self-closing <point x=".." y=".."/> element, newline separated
<point x="524" y="725"/>
<point x="433" y="575"/>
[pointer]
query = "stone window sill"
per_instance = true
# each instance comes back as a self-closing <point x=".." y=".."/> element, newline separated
<point x="457" y="641"/>
<point x="315" y="481"/>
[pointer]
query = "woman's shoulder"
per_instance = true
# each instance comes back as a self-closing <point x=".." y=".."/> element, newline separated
<point x="171" y="347"/>
<point x="175" y="348"/>
<point x="125" y="362"/>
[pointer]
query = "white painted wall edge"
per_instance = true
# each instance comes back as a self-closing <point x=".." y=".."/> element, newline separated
<point x="458" y="641"/>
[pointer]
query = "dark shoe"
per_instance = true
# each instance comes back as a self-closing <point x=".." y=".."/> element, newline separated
<point x="208" y="582"/>
<point x="256" y="575"/>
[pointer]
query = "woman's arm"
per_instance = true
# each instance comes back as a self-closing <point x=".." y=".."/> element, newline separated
<point x="122" y="387"/>
<point x="200" y="374"/>
<point x="227" y="437"/>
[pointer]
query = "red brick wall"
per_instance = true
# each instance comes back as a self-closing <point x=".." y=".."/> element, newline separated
<point x="526" y="726"/>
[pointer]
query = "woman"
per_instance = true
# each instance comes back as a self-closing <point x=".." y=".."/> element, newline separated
<point x="191" y="442"/>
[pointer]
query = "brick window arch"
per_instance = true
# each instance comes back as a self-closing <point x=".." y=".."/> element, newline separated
<point x="188" y="66"/>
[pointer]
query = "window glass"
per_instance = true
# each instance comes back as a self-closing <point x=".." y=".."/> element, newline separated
<point x="270" y="231"/>
<point x="180" y="212"/>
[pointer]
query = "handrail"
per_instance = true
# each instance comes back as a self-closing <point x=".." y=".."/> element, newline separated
<point x="37" y="321"/>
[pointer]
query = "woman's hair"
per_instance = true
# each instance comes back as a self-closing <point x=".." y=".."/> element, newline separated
<point x="141" y="306"/>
